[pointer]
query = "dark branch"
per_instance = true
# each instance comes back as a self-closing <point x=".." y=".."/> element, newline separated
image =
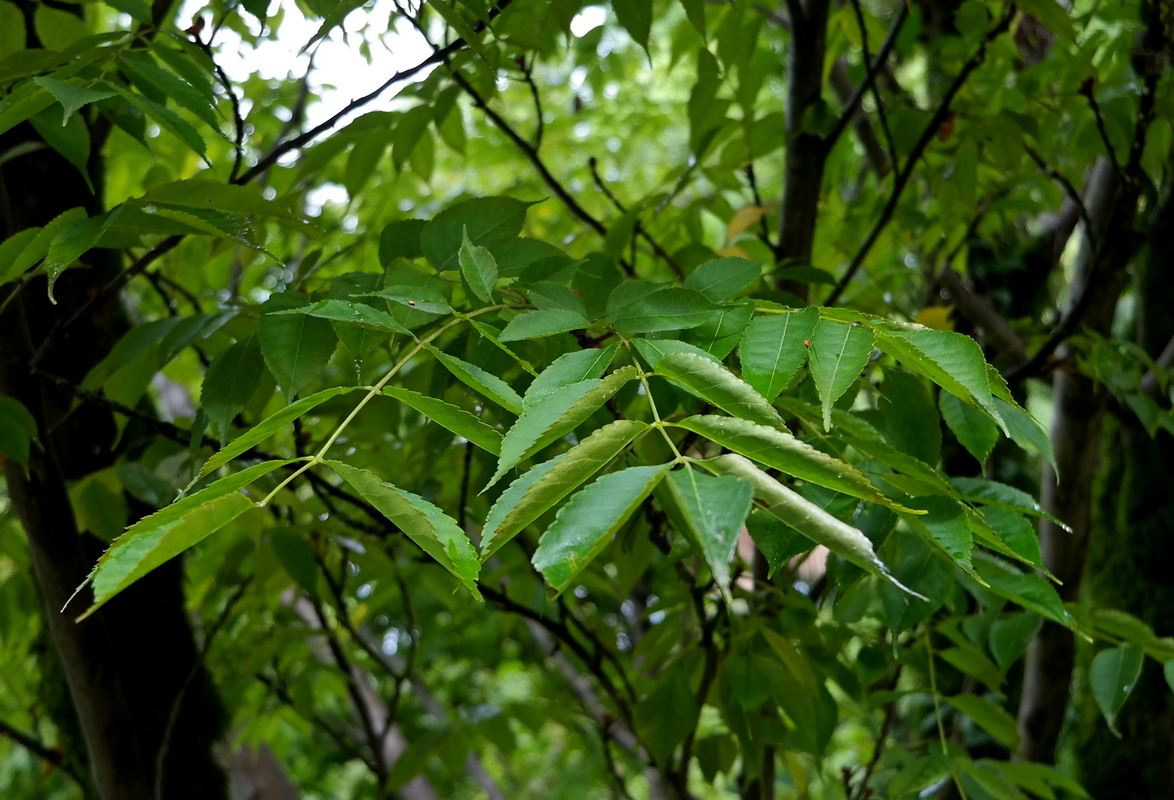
<point x="238" y="121"/>
<point x="439" y="56"/>
<point x="173" y="715"/>
<point x="927" y="135"/>
<point x="1066" y="185"/>
<point x="39" y="749"/>
<point x="875" y="67"/>
<point x="1086" y="89"/>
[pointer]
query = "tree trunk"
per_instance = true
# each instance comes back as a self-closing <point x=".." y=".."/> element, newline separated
<point x="1130" y="553"/>
<point x="125" y="665"/>
<point x="1077" y="409"/>
<point x="806" y="152"/>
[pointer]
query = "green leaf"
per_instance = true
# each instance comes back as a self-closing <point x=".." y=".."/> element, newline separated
<point x="636" y="17"/>
<point x="14" y="246"/>
<point x="1016" y="532"/>
<point x="21" y="104"/>
<point x="555" y="415"/>
<point x="782" y="451"/>
<point x="478" y="268"/>
<point x="72" y="140"/>
<point x="666" y="716"/>
<point x="358" y="340"/>
<point x="838" y="355"/>
<point x="775" y="539"/>
<point x="484" y="220"/>
<point x="214" y="196"/>
<point x="951" y="360"/>
<point x="663" y="309"/>
<point x="480" y="381"/>
<point x="975" y="431"/>
<point x="991" y="718"/>
<point x="580" y="365"/>
<point x="229" y="383"/>
<point x="720" y="334"/>
<point x="1000" y="495"/>
<point x="13" y="37"/>
<point x="982" y="783"/>
<point x="551" y="296"/>
<point x="438" y="534"/>
<point x="911" y="420"/>
<point x="269" y="426"/>
<point x="417" y="298"/>
<point x="167" y="119"/>
<point x="540" y="489"/>
<point x="1168" y="670"/>
<point x="58" y="29"/>
<point x="72" y="97"/>
<point x="723" y="278"/>
<point x="773" y="350"/>
<point x="1052" y="15"/>
<point x="653" y="350"/>
<point x="1113" y="674"/>
<point x="585" y="525"/>
<point x="296" y="347"/>
<point x="807" y="518"/>
<point x="345" y="311"/>
<point x="946" y="524"/>
<point x="74" y="241"/>
<point x="401" y="239"/>
<point x="457" y="420"/>
<point x="362" y="162"/>
<point x="720" y="387"/>
<point x="1011" y="635"/>
<point x="536" y="324"/>
<point x="296" y="554"/>
<point x="715" y="509"/>
<point x="156" y="539"/>
<point x="1028" y="590"/>
<point x="18" y="428"/>
<point x="1025" y="430"/>
<point x="143" y="69"/>
<point x="139" y="10"/>
<point x="494" y="335"/>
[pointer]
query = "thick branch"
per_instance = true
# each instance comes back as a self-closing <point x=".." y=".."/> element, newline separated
<point x="806" y="152"/>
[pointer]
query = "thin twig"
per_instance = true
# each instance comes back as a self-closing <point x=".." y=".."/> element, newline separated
<point x="41" y="750"/>
<point x="439" y="56"/>
<point x="874" y="69"/>
<point x="1086" y="89"/>
<point x="593" y="165"/>
<point x="1066" y="185"/>
<point x="238" y="121"/>
<point x="353" y="689"/>
<point x="752" y="180"/>
<point x="927" y="135"/>
<point x="344" y="742"/>
<point x="639" y="229"/>
<point x="528" y="76"/>
<point x="177" y="703"/>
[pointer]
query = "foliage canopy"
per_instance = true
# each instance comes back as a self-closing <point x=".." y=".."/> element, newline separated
<point x="649" y="408"/>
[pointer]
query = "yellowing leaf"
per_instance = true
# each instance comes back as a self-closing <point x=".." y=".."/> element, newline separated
<point x="742" y="221"/>
<point x="735" y="251"/>
<point x="936" y="317"/>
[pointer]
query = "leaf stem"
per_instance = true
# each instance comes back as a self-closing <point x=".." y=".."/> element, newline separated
<point x="374" y="390"/>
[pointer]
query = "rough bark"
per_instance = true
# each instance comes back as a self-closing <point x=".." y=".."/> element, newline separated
<point x="124" y="665"/>
<point x="1077" y="412"/>
<point x="806" y="152"/>
<point x="1130" y="552"/>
